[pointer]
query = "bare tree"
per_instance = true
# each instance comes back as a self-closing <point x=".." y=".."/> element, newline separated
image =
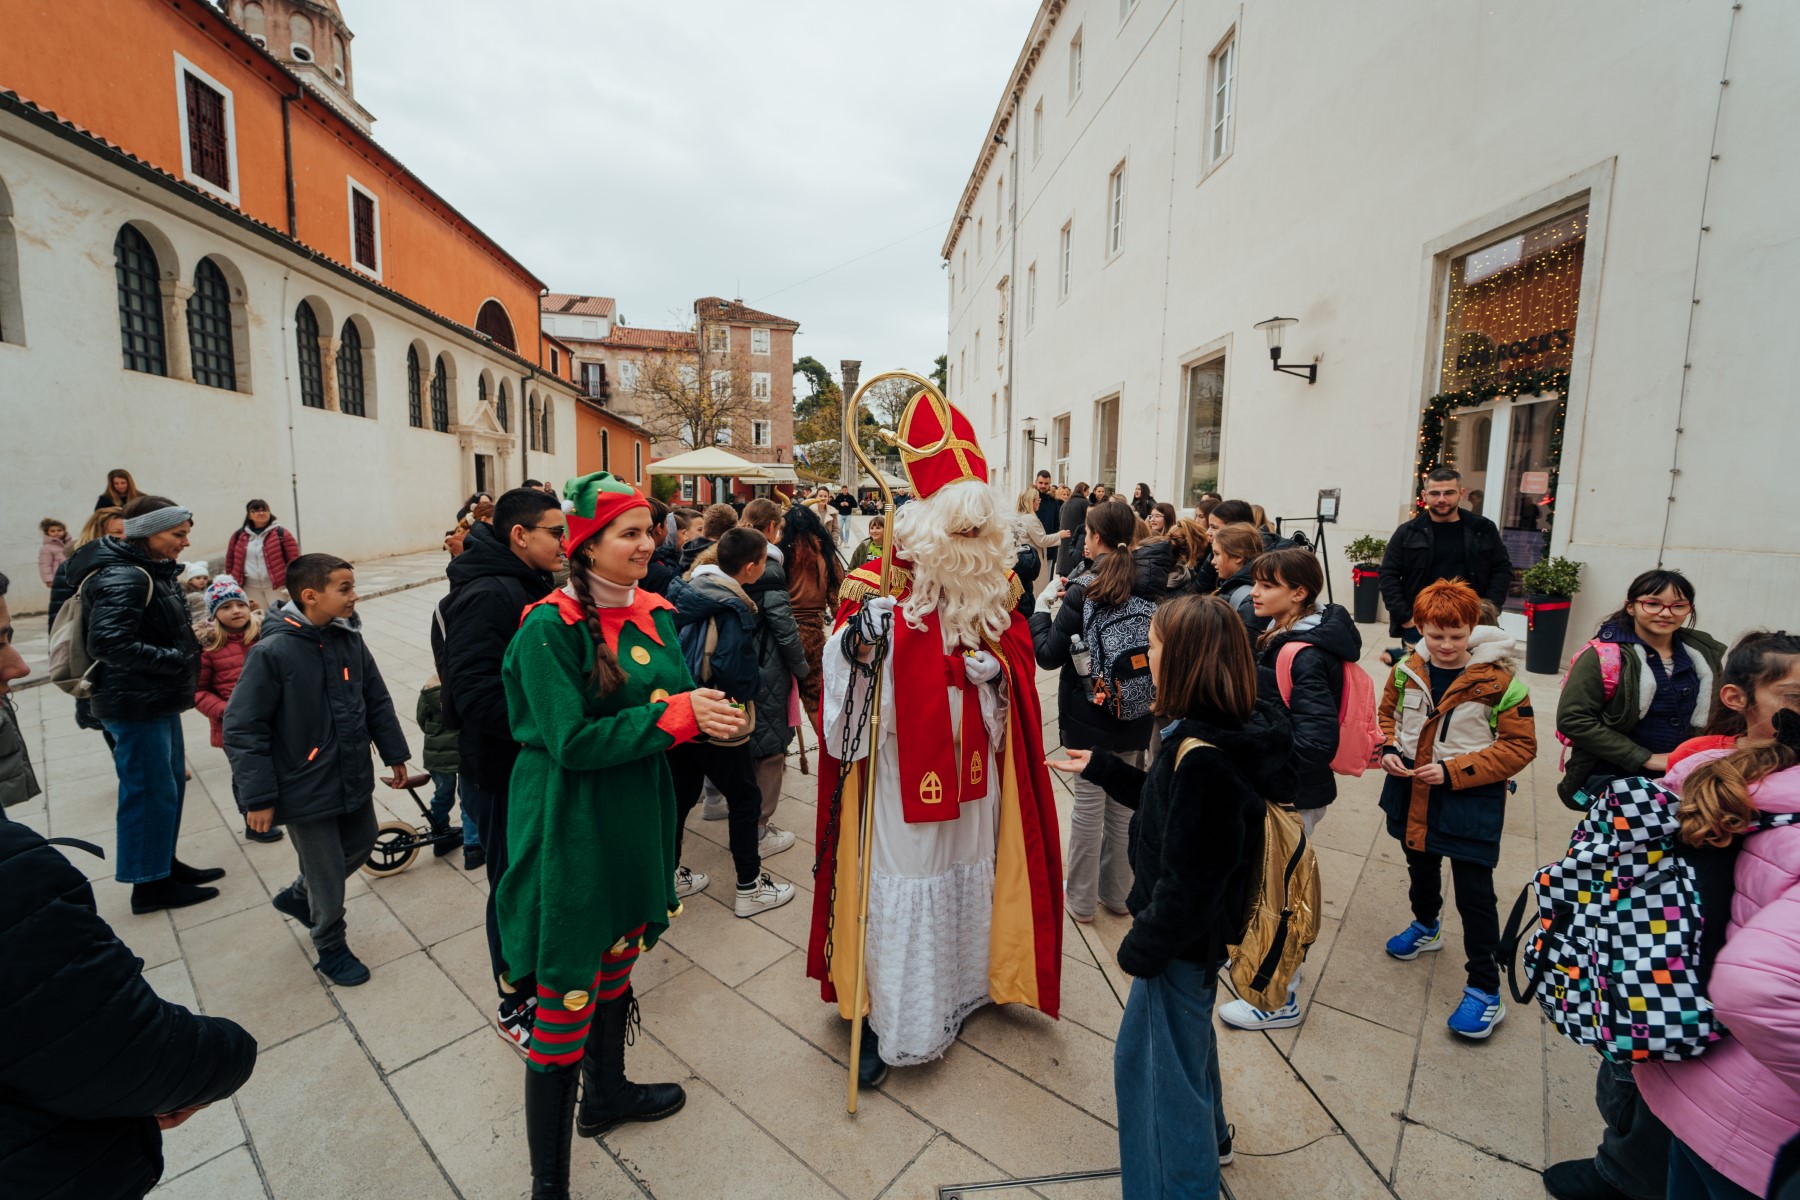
<point x="676" y="402"/>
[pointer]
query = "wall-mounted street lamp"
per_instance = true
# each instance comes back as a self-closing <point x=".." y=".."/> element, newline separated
<point x="1029" y="425"/>
<point x="1274" y="327"/>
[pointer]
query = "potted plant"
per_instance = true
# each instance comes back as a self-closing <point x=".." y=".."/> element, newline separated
<point x="1365" y="557"/>
<point x="1548" y="586"/>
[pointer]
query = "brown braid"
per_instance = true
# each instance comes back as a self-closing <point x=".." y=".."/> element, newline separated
<point x="608" y="676"/>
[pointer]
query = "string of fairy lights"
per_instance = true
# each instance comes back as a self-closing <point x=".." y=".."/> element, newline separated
<point x="1509" y="328"/>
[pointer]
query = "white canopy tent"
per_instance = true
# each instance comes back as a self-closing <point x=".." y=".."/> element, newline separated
<point x="709" y="460"/>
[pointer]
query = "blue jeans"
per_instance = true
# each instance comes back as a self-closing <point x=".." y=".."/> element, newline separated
<point x="152" y="766"/>
<point x="445" y="782"/>
<point x="1693" y="1178"/>
<point x="1166" y="1075"/>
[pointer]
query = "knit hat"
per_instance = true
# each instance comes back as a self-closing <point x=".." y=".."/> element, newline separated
<point x="195" y="570"/>
<point x="592" y="502"/>
<point x="224" y="590"/>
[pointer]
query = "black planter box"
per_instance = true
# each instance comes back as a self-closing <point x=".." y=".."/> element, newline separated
<point x="1366" y="590"/>
<point x="1547" y="624"/>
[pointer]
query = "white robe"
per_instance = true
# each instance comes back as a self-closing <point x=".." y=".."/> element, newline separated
<point x="931" y="888"/>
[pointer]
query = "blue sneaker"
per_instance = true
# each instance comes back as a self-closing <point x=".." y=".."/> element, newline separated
<point x="1414" y="940"/>
<point x="1478" y="1013"/>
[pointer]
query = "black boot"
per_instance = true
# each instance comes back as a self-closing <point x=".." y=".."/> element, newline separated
<point x="167" y="893"/>
<point x="180" y="872"/>
<point x="549" y="1108"/>
<point x="608" y="1099"/>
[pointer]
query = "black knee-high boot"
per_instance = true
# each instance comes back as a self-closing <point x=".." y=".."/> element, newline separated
<point x="608" y="1099"/>
<point x="549" y="1111"/>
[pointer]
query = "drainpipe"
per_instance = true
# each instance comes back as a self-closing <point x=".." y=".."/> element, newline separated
<point x="1012" y="283"/>
<point x="287" y="384"/>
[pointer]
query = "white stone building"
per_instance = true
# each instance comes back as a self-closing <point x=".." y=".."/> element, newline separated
<point x="1442" y="194"/>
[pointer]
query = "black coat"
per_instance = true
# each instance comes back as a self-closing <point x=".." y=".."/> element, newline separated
<point x="1196" y="837"/>
<point x="1073" y="518"/>
<point x="1049" y="513"/>
<point x="490" y="587"/>
<point x="149" y="660"/>
<point x="1080" y="723"/>
<point x="1318" y="689"/>
<point x="1406" y="567"/>
<point x="299" y="724"/>
<point x="1236" y="592"/>
<point x="92" y="1054"/>
<point x="782" y="659"/>
<point x="665" y="564"/>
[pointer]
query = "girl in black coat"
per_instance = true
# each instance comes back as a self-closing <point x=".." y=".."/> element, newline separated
<point x="148" y="664"/>
<point x="1197" y="848"/>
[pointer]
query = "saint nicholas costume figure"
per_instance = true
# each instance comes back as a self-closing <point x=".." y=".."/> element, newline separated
<point x="965" y="903"/>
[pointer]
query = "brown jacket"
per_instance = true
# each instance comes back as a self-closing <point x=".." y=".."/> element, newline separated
<point x="1483" y="731"/>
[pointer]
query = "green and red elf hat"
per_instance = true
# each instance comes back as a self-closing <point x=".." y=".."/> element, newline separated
<point x="592" y="502"/>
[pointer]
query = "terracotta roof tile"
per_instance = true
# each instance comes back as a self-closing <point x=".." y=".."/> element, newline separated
<point x="579" y="306"/>
<point x="712" y="308"/>
<point x="631" y="337"/>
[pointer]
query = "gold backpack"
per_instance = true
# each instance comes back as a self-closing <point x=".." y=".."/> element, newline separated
<point x="1283" y="919"/>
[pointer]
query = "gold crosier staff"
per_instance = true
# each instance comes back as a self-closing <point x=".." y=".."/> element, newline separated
<point x="866" y="801"/>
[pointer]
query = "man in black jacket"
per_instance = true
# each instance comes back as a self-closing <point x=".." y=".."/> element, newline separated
<point x="1443" y="542"/>
<point x="97" y="1065"/>
<point x="1049" y="507"/>
<point x="502" y="569"/>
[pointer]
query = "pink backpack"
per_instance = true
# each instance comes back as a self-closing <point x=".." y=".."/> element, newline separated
<point x="1359" y="735"/>
<point x="1609" y="655"/>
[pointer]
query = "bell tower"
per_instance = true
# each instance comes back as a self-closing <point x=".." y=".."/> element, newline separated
<point x="311" y="40"/>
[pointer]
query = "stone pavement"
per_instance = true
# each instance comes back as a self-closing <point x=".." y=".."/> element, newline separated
<point x="401" y="1088"/>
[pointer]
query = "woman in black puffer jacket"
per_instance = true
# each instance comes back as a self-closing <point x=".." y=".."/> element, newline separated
<point x="781" y="659"/>
<point x="148" y="663"/>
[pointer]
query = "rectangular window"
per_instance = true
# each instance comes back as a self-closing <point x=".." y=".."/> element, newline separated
<point x="718" y="339"/>
<point x="980" y="234"/>
<point x="555" y="362"/>
<point x="978" y="352"/>
<point x="637" y="459"/>
<point x="1075" y="66"/>
<point x="723" y="436"/>
<point x="761" y="386"/>
<point x="365" y="229"/>
<point x="208" y="141"/>
<point x="687" y="486"/>
<point x="1037" y="130"/>
<point x="689" y="375"/>
<point x="1031" y="295"/>
<point x="721" y="385"/>
<point x="949" y="379"/>
<point x="593" y="380"/>
<point x="759" y="341"/>
<point x="999" y="209"/>
<point x="1115" y="211"/>
<point x="628" y="376"/>
<point x="1059" y="446"/>
<point x="1106" y="442"/>
<point x="762" y="434"/>
<point x="1223" y="74"/>
<point x="1064" y="262"/>
<point x="1205" y="427"/>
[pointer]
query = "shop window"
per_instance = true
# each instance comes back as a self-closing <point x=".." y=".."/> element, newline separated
<point x="140" y="303"/>
<point x="352" y="388"/>
<point x="210" y="346"/>
<point x="1106" y="441"/>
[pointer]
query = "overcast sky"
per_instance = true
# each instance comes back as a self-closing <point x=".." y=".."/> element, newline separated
<point x="658" y="152"/>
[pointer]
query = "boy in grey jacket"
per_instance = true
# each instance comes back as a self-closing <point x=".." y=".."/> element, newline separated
<point x="297" y="732"/>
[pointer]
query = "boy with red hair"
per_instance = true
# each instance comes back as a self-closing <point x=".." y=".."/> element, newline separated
<point x="1456" y="722"/>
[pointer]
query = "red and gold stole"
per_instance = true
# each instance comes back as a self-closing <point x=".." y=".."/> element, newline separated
<point x="936" y="774"/>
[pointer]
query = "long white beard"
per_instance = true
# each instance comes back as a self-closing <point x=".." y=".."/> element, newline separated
<point x="961" y="579"/>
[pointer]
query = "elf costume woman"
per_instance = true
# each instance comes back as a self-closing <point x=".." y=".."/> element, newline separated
<point x="596" y="690"/>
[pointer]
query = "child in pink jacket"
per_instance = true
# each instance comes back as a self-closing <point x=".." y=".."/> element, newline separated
<point x="225" y="638"/>
<point x="54" y="550"/>
<point x="1731" y="1109"/>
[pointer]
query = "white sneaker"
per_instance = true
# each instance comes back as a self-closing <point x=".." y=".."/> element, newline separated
<point x="1241" y="1014"/>
<point x="763" y="895"/>
<point x="712" y="803"/>
<point x="774" y="841"/>
<point x="690" y="883"/>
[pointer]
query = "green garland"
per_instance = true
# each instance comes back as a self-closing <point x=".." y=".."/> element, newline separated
<point x="1524" y="383"/>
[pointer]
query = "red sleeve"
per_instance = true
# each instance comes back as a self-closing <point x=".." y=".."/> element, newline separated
<point x="205" y="699"/>
<point x="678" y="720"/>
<point x="1694" y="745"/>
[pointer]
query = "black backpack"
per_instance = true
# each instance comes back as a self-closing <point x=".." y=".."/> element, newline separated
<point x="1118" y="641"/>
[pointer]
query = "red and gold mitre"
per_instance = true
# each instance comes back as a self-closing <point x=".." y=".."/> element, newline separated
<point x="959" y="459"/>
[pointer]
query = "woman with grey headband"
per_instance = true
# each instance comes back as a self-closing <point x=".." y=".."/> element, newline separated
<point x="148" y="663"/>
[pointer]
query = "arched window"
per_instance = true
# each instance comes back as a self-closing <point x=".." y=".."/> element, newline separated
<point x="549" y="438"/>
<point x="415" y="408"/>
<point x="493" y="321"/>
<point x="140" y="303"/>
<point x="256" y="23"/>
<point x="209" y="328"/>
<point x="300" y="31"/>
<point x="501" y="409"/>
<point x="532" y="428"/>
<point x="352" y="396"/>
<point x="312" y="370"/>
<point x="440" y="397"/>
<point x="481" y="389"/>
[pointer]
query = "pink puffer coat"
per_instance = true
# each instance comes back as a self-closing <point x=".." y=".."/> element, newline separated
<point x="1739" y="1102"/>
<point x="219" y="671"/>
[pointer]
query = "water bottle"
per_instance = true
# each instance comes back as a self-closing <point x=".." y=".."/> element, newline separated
<point x="1079" y="657"/>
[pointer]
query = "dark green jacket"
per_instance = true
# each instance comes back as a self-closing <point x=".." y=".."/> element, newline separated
<point x="18" y="783"/>
<point x="441" y="753"/>
<point x="1599" y="730"/>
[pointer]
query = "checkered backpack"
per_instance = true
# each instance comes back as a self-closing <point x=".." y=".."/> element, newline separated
<point x="1615" y="956"/>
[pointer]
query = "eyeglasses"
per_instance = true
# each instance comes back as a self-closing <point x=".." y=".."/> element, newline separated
<point x="1653" y="607"/>
<point x="555" y="531"/>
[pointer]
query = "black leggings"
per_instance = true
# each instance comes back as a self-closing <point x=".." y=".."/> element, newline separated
<point x="1474" y="903"/>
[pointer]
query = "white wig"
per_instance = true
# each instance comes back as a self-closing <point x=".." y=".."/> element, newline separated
<point x="962" y="579"/>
